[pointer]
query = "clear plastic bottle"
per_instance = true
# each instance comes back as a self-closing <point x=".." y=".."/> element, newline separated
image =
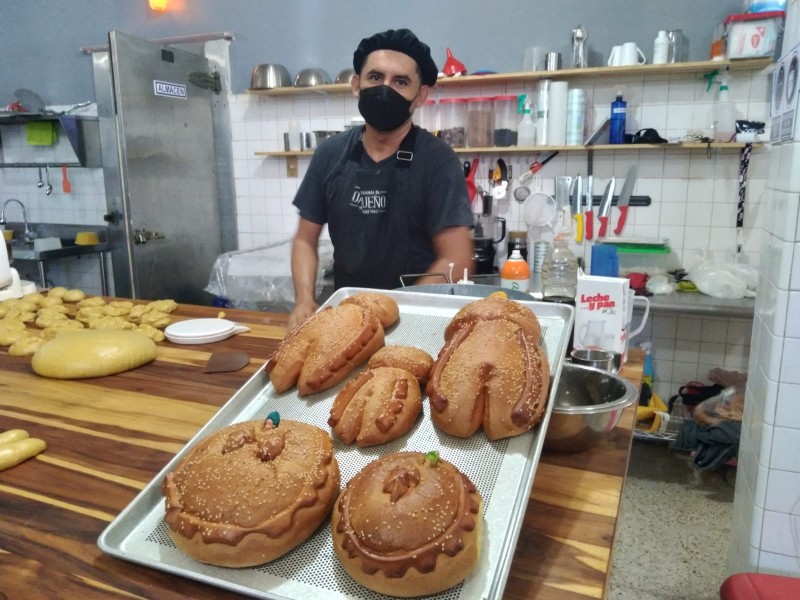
<point x="560" y="274"/>
<point x="516" y="274"/>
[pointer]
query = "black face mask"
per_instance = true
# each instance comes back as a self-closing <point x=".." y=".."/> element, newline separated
<point x="383" y="108"/>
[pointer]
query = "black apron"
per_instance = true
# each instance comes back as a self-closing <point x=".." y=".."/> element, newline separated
<point x="370" y="231"/>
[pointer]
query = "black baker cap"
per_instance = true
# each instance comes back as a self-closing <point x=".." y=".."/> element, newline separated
<point x="399" y="40"/>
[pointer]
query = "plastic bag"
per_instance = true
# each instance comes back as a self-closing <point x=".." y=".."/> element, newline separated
<point x="261" y="278"/>
<point x="659" y="284"/>
<point x="722" y="278"/>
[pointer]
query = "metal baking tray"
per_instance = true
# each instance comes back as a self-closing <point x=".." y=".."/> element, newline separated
<point x="503" y="472"/>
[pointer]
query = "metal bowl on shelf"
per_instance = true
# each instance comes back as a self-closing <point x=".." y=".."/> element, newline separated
<point x="344" y="76"/>
<point x="311" y="77"/>
<point x="268" y="76"/>
<point x="588" y="405"/>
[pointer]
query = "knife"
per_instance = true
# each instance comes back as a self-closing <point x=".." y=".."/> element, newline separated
<point x="625" y="197"/>
<point x="587" y="220"/>
<point x="605" y="207"/>
<point x="576" y="206"/>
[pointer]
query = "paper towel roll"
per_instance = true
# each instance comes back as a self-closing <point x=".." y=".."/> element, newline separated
<point x="557" y="114"/>
<point x="576" y="117"/>
<point x="542" y="114"/>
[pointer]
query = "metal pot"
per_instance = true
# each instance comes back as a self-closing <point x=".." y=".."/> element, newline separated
<point x="268" y="76"/>
<point x="588" y="405"/>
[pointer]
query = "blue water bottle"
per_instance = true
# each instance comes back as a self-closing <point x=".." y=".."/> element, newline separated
<point x="619" y="110"/>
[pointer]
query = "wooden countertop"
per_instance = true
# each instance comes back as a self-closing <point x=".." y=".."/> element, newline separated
<point x="108" y="437"/>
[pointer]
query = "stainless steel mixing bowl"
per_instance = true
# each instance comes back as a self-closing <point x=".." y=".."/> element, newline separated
<point x="268" y="76"/>
<point x="311" y="78"/>
<point x="589" y="403"/>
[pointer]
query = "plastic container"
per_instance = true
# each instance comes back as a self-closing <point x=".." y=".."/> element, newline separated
<point x="560" y="273"/>
<point x="576" y="117"/>
<point x="453" y="115"/>
<point x="661" y="48"/>
<point x="295" y="143"/>
<point x="619" y="113"/>
<point x="480" y="122"/>
<point x="506" y="120"/>
<point x="752" y="35"/>
<point x="427" y="116"/>
<point x="516" y="275"/>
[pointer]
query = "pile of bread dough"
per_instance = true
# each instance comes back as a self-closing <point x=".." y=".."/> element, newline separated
<point x="61" y="310"/>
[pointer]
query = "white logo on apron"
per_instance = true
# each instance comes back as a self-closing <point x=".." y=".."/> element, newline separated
<point x="369" y="202"/>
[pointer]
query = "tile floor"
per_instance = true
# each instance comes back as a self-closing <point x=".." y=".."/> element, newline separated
<point x="672" y="538"/>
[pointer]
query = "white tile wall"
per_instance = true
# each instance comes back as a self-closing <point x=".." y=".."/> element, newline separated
<point x="768" y="457"/>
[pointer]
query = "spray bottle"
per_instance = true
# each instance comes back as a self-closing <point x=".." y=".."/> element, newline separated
<point x="526" y="131"/>
<point x="724" y="113"/>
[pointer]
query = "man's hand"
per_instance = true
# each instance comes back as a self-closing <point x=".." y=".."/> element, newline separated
<point x="452" y="245"/>
<point x="301" y="312"/>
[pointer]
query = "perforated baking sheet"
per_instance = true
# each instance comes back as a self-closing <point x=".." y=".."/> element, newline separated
<point x="503" y="471"/>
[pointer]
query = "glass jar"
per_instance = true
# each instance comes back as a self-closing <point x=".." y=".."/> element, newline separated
<point x="506" y="120"/>
<point x="480" y="127"/>
<point x="427" y="116"/>
<point x="452" y="112"/>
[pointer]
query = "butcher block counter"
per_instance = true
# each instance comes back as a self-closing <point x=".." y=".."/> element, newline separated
<point x="108" y="437"/>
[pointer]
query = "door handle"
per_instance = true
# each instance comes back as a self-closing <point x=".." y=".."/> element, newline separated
<point x="142" y="236"/>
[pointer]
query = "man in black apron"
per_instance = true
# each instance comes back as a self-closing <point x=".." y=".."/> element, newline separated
<point x="393" y="196"/>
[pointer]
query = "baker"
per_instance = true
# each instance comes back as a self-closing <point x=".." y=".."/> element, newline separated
<point x="393" y="195"/>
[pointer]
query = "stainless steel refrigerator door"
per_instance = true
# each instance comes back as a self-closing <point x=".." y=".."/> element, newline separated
<point x="167" y="217"/>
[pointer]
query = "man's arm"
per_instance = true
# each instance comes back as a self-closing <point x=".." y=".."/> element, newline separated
<point x="304" y="270"/>
<point x="452" y="245"/>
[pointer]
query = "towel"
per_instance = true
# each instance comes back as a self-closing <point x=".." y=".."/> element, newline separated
<point x="712" y="446"/>
<point x="40" y="133"/>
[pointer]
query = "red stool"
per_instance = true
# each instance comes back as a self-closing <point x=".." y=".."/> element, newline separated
<point x="759" y="586"/>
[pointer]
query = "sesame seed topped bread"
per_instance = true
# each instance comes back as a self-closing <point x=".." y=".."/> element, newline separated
<point x="491" y="372"/>
<point x="250" y="492"/>
<point x="408" y="524"/>
<point x="325" y="348"/>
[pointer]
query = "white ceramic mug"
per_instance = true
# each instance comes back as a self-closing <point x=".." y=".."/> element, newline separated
<point x="631" y="54"/>
<point x="615" y="58"/>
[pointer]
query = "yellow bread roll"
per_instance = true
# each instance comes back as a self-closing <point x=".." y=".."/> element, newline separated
<point x="92" y="353"/>
<point x="13" y="435"/>
<point x="16" y="452"/>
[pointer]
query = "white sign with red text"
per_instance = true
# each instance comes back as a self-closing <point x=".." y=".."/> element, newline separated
<point x="601" y="313"/>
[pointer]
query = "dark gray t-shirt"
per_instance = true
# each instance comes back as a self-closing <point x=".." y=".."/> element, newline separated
<point x="382" y="216"/>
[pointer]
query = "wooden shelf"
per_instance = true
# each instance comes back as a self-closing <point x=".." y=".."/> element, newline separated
<point x="543" y="149"/>
<point x="522" y="77"/>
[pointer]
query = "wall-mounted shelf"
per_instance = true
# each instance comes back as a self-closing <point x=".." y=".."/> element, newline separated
<point x="537" y="149"/>
<point x="521" y="77"/>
